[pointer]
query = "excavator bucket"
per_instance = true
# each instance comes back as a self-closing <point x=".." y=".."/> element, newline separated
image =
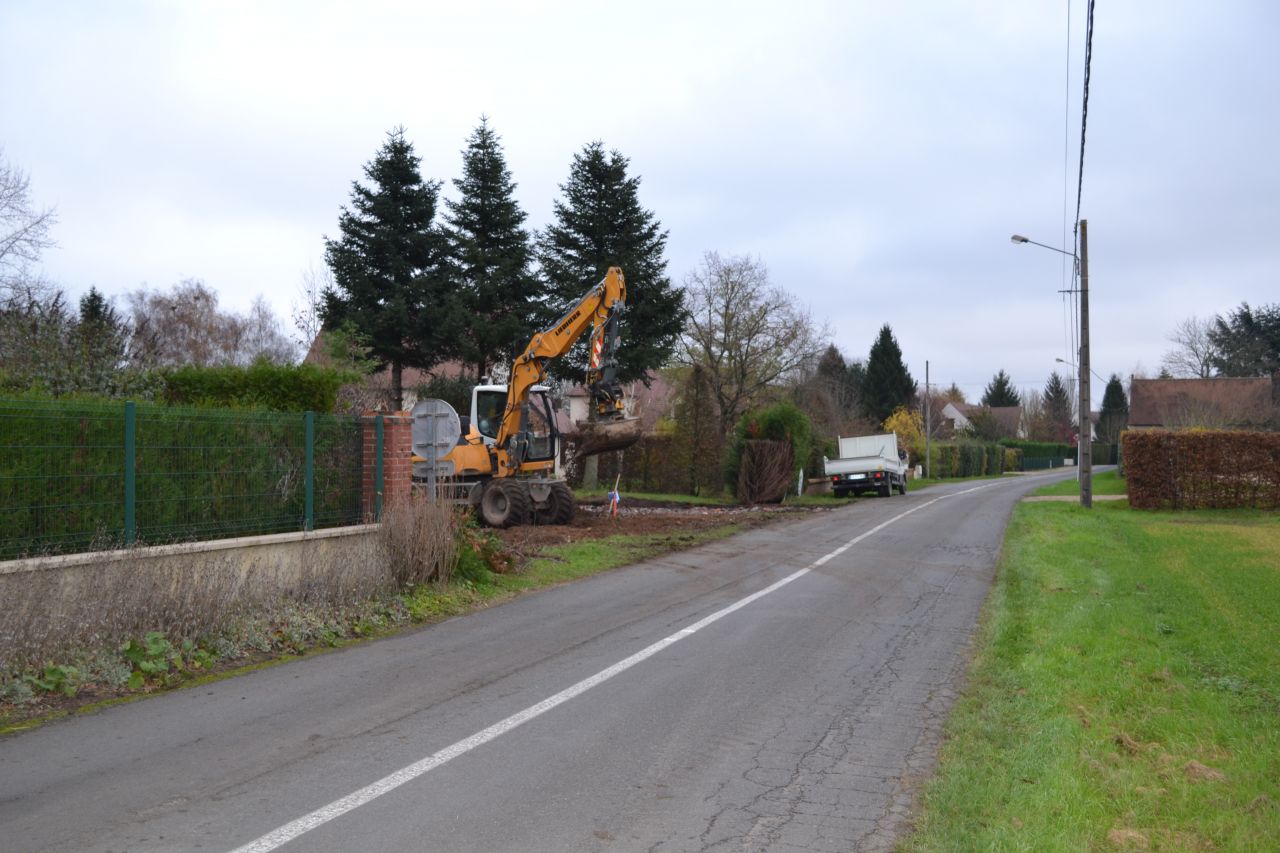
<point x="604" y="436"/>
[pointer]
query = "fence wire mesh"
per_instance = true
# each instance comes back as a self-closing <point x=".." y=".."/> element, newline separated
<point x="197" y="474"/>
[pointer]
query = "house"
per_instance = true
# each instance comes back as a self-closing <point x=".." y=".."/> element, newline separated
<point x="1250" y="403"/>
<point x="958" y="417"/>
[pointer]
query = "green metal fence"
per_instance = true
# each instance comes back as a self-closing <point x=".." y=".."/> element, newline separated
<point x="86" y="476"/>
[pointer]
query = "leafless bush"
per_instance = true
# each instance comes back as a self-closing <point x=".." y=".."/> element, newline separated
<point x="766" y="472"/>
<point x="419" y="541"/>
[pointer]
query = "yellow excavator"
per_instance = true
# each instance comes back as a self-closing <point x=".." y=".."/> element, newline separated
<point x="502" y="458"/>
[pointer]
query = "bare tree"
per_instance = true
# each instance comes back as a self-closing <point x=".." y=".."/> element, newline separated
<point x="305" y="309"/>
<point x="184" y="326"/>
<point x="24" y="230"/>
<point x="1193" y="352"/>
<point x="749" y="335"/>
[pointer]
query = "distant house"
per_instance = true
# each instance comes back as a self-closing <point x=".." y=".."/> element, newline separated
<point x="957" y="417"/>
<point x="1219" y="403"/>
<point x="374" y="391"/>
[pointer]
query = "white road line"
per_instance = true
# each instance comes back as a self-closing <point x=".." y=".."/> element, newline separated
<point x="278" y="837"/>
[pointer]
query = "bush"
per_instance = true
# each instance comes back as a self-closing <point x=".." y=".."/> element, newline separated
<point x="966" y="459"/>
<point x="262" y="385"/>
<point x="1041" y="449"/>
<point x="779" y="422"/>
<point x="1199" y="470"/>
<point x="419" y="541"/>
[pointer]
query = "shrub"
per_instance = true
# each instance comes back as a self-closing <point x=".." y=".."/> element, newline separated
<point x="780" y="422"/>
<point x="262" y="385"/>
<point x="419" y="540"/>
<point x="1198" y="470"/>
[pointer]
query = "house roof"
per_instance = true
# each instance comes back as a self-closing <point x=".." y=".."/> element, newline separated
<point x="1217" y="402"/>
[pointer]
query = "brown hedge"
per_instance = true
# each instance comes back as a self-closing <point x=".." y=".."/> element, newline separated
<point x="1202" y="470"/>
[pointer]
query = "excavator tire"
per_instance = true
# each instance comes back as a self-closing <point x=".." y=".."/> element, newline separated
<point x="504" y="503"/>
<point x="563" y="505"/>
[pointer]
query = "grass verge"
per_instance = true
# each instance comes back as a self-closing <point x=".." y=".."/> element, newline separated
<point x="1125" y="691"/>
<point x="1106" y="483"/>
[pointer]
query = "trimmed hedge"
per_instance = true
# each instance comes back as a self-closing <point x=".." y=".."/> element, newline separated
<point x="200" y="474"/>
<point x="262" y="385"/>
<point x="966" y="459"/>
<point x="1041" y="449"/>
<point x="1201" y="470"/>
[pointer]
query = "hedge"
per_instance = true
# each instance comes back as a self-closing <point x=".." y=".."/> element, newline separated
<point x="1041" y="449"/>
<point x="966" y="459"/>
<point x="1201" y="470"/>
<point x="262" y="385"/>
<point x="200" y="474"/>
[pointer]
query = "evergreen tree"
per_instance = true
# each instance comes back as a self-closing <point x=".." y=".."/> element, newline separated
<point x="1000" y="392"/>
<point x="599" y="224"/>
<point x="1057" y="409"/>
<point x="390" y="266"/>
<point x="101" y="337"/>
<point x="887" y="383"/>
<point x="500" y="298"/>
<point x="1247" y="341"/>
<point x="1114" y="415"/>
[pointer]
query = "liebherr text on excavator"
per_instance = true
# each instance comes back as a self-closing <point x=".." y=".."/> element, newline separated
<point x="503" y="458"/>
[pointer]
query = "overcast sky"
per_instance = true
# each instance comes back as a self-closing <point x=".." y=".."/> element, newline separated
<point x="875" y="156"/>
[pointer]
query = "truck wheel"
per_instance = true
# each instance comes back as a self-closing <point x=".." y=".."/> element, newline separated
<point x="504" y="503"/>
<point x="902" y="490"/>
<point x="563" y="505"/>
<point x="886" y="491"/>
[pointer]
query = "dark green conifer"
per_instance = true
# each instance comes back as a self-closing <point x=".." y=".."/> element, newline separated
<point x="390" y="266"/>
<point x="599" y="223"/>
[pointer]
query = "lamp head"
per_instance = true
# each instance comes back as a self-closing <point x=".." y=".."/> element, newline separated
<point x="1018" y="238"/>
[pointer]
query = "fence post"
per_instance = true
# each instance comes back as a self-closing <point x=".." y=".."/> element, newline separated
<point x="309" y="517"/>
<point x="130" y="472"/>
<point x="377" y="470"/>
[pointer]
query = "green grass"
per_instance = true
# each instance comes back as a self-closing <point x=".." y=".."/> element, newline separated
<point x="1106" y="483"/>
<point x="1117" y="648"/>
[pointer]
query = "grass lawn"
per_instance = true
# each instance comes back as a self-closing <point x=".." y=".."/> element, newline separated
<point x="1125" y="690"/>
<point x="1106" y="483"/>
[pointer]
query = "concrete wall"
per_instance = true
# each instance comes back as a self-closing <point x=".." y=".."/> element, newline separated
<point x="105" y="597"/>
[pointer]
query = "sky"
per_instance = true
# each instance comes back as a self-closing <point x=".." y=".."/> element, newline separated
<point x="876" y="157"/>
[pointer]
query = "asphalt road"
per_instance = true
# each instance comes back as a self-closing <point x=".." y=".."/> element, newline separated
<point x="781" y="690"/>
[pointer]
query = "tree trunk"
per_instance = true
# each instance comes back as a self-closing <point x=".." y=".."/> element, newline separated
<point x="591" y="472"/>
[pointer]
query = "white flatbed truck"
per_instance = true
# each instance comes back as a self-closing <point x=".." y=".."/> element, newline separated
<point x="867" y="463"/>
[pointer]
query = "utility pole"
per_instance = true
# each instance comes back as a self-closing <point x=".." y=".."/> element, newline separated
<point x="1085" y="447"/>
<point x="927" y="421"/>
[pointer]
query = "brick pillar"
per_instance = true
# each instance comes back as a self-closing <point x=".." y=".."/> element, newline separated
<point x="397" y="466"/>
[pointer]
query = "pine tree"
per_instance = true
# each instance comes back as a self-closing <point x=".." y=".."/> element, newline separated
<point x="390" y="266"/>
<point x="1114" y="415"/>
<point x="1000" y="392"/>
<point x="101" y="337"/>
<point x="599" y="224"/>
<point x="501" y="300"/>
<point x="887" y="383"/>
<point x="1057" y="409"/>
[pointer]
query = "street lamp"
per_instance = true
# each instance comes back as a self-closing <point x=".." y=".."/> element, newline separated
<point x="1086" y="422"/>
<point x="1073" y="364"/>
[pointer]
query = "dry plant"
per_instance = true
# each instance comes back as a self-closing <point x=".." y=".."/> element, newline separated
<point x="51" y="611"/>
<point x="418" y="540"/>
<point x="766" y="472"/>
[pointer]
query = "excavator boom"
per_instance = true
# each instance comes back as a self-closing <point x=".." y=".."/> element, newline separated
<point x="601" y="309"/>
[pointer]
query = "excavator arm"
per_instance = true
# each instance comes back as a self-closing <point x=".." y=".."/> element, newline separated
<point x="600" y="309"/>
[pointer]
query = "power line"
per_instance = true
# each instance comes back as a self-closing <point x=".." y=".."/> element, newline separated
<point x="1084" y="117"/>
